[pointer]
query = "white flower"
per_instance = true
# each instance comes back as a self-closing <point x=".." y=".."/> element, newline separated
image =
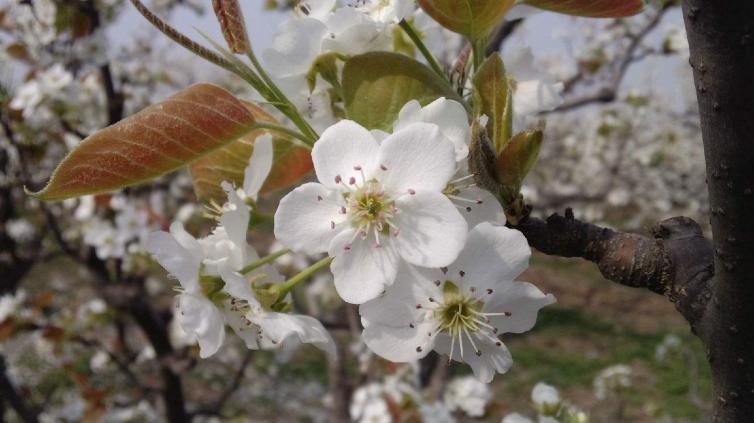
<point x="468" y="395"/>
<point x="436" y="412"/>
<point x="612" y="379"/>
<point x="476" y="204"/>
<point x="545" y="395"/>
<point x="376" y="203"/>
<point x="9" y="303"/>
<point x="207" y="303"/>
<point x="106" y="240"/>
<point x="99" y="361"/>
<point x="460" y="310"/>
<point x="516" y="418"/>
<point x="19" y="230"/>
<point x="388" y="11"/>
<point x="131" y="223"/>
<point x="368" y="405"/>
<point x="534" y="90"/>
<point x="27" y="97"/>
<point x="546" y="399"/>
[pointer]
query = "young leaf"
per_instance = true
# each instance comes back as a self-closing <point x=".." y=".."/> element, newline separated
<point x="472" y="18"/>
<point x="591" y="8"/>
<point x="159" y="139"/>
<point x="376" y="85"/>
<point x="290" y="163"/>
<point x="493" y="97"/>
<point x="516" y="161"/>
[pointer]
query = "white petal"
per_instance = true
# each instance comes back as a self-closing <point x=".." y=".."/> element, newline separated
<point x="304" y="218"/>
<point x="537" y="96"/>
<point x="432" y="231"/>
<point x="522" y="300"/>
<point x="295" y="46"/>
<point x="363" y="271"/>
<point x="306" y="329"/>
<point x="388" y="319"/>
<point x="259" y="166"/>
<point x="515" y="417"/>
<point x="237" y="286"/>
<point x="342" y="147"/>
<point x="417" y="157"/>
<point x="484" y="208"/>
<point x="235" y="218"/>
<point x="449" y="115"/>
<point x="249" y="333"/>
<point x="494" y="358"/>
<point x="198" y="316"/>
<point x="182" y="263"/>
<point x="318" y="9"/>
<point x="493" y="254"/>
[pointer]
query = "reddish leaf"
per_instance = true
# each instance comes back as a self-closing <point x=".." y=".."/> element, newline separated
<point x="291" y="162"/>
<point x="155" y="141"/>
<point x="591" y="8"/>
<point x="472" y="18"/>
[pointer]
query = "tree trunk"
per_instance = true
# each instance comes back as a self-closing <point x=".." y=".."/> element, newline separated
<point x="721" y="37"/>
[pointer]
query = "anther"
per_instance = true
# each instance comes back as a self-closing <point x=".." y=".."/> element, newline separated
<point x="347" y="247"/>
<point x="319" y="198"/>
<point x="468" y="209"/>
<point x="351" y="181"/>
<point x="338" y="179"/>
<point x="332" y="224"/>
<point x="444" y="269"/>
<point x="343" y="210"/>
<point x="418" y="306"/>
<point x="489" y="291"/>
<point x="383" y="167"/>
<point x="418" y="349"/>
<point x="499" y="344"/>
<point x="438" y="282"/>
<point x="462" y="273"/>
<point x="411" y="325"/>
<point x="411" y="191"/>
<point x="431" y="300"/>
<point x="357" y="168"/>
<point x="508" y="314"/>
<point x="478" y="353"/>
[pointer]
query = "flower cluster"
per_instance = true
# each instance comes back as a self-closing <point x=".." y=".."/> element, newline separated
<point x="223" y="282"/>
<point x="391" y="210"/>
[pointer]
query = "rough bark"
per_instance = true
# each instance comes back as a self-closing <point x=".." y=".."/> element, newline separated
<point x="721" y="37"/>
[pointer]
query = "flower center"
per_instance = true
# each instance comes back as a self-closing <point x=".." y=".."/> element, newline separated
<point x="457" y="312"/>
<point x="369" y="208"/>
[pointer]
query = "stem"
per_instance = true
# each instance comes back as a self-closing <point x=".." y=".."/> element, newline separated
<point x="269" y="259"/>
<point x="181" y="39"/>
<point x="409" y="30"/>
<point x="479" y="46"/>
<point x="286" y="286"/>
<point x="283" y="130"/>
<point x="279" y="96"/>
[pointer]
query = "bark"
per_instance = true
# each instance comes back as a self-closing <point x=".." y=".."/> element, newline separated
<point x="721" y="37"/>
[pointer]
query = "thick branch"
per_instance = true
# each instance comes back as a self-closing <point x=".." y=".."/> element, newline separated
<point x="675" y="262"/>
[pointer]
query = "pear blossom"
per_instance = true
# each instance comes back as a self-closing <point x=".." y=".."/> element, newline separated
<point x="107" y="241"/>
<point x="459" y="310"/>
<point x="214" y="293"/>
<point x="387" y="11"/>
<point x="477" y="205"/>
<point x="468" y="395"/>
<point x="544" y="395"/>
<point x="516" y="418"/>
<point x="20" y="230"/>
<point x="10" y="302"/>
<point x="376" y="204"/>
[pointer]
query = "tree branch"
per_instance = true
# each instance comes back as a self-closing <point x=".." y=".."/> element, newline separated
<point x="675" y="262"/>
<point x="609" y="92"/>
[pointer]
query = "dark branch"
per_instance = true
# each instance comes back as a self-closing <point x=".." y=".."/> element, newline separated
<point x="675" y="262"/>
<point x="503" y="31"/>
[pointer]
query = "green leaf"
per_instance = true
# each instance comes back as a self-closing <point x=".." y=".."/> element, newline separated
<point x="591" y="8"/>
<point x="493" y="97"/>
<point x="290" y="163"/>
<point x="377" y="85"/>
<point x="472" y="18"/>
<point x="517" y="160"/>
<point x="157" y="140"/>
<point x="482" y="159"/>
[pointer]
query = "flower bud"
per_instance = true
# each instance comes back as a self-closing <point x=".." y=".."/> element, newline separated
<point x="232" y="24"/>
